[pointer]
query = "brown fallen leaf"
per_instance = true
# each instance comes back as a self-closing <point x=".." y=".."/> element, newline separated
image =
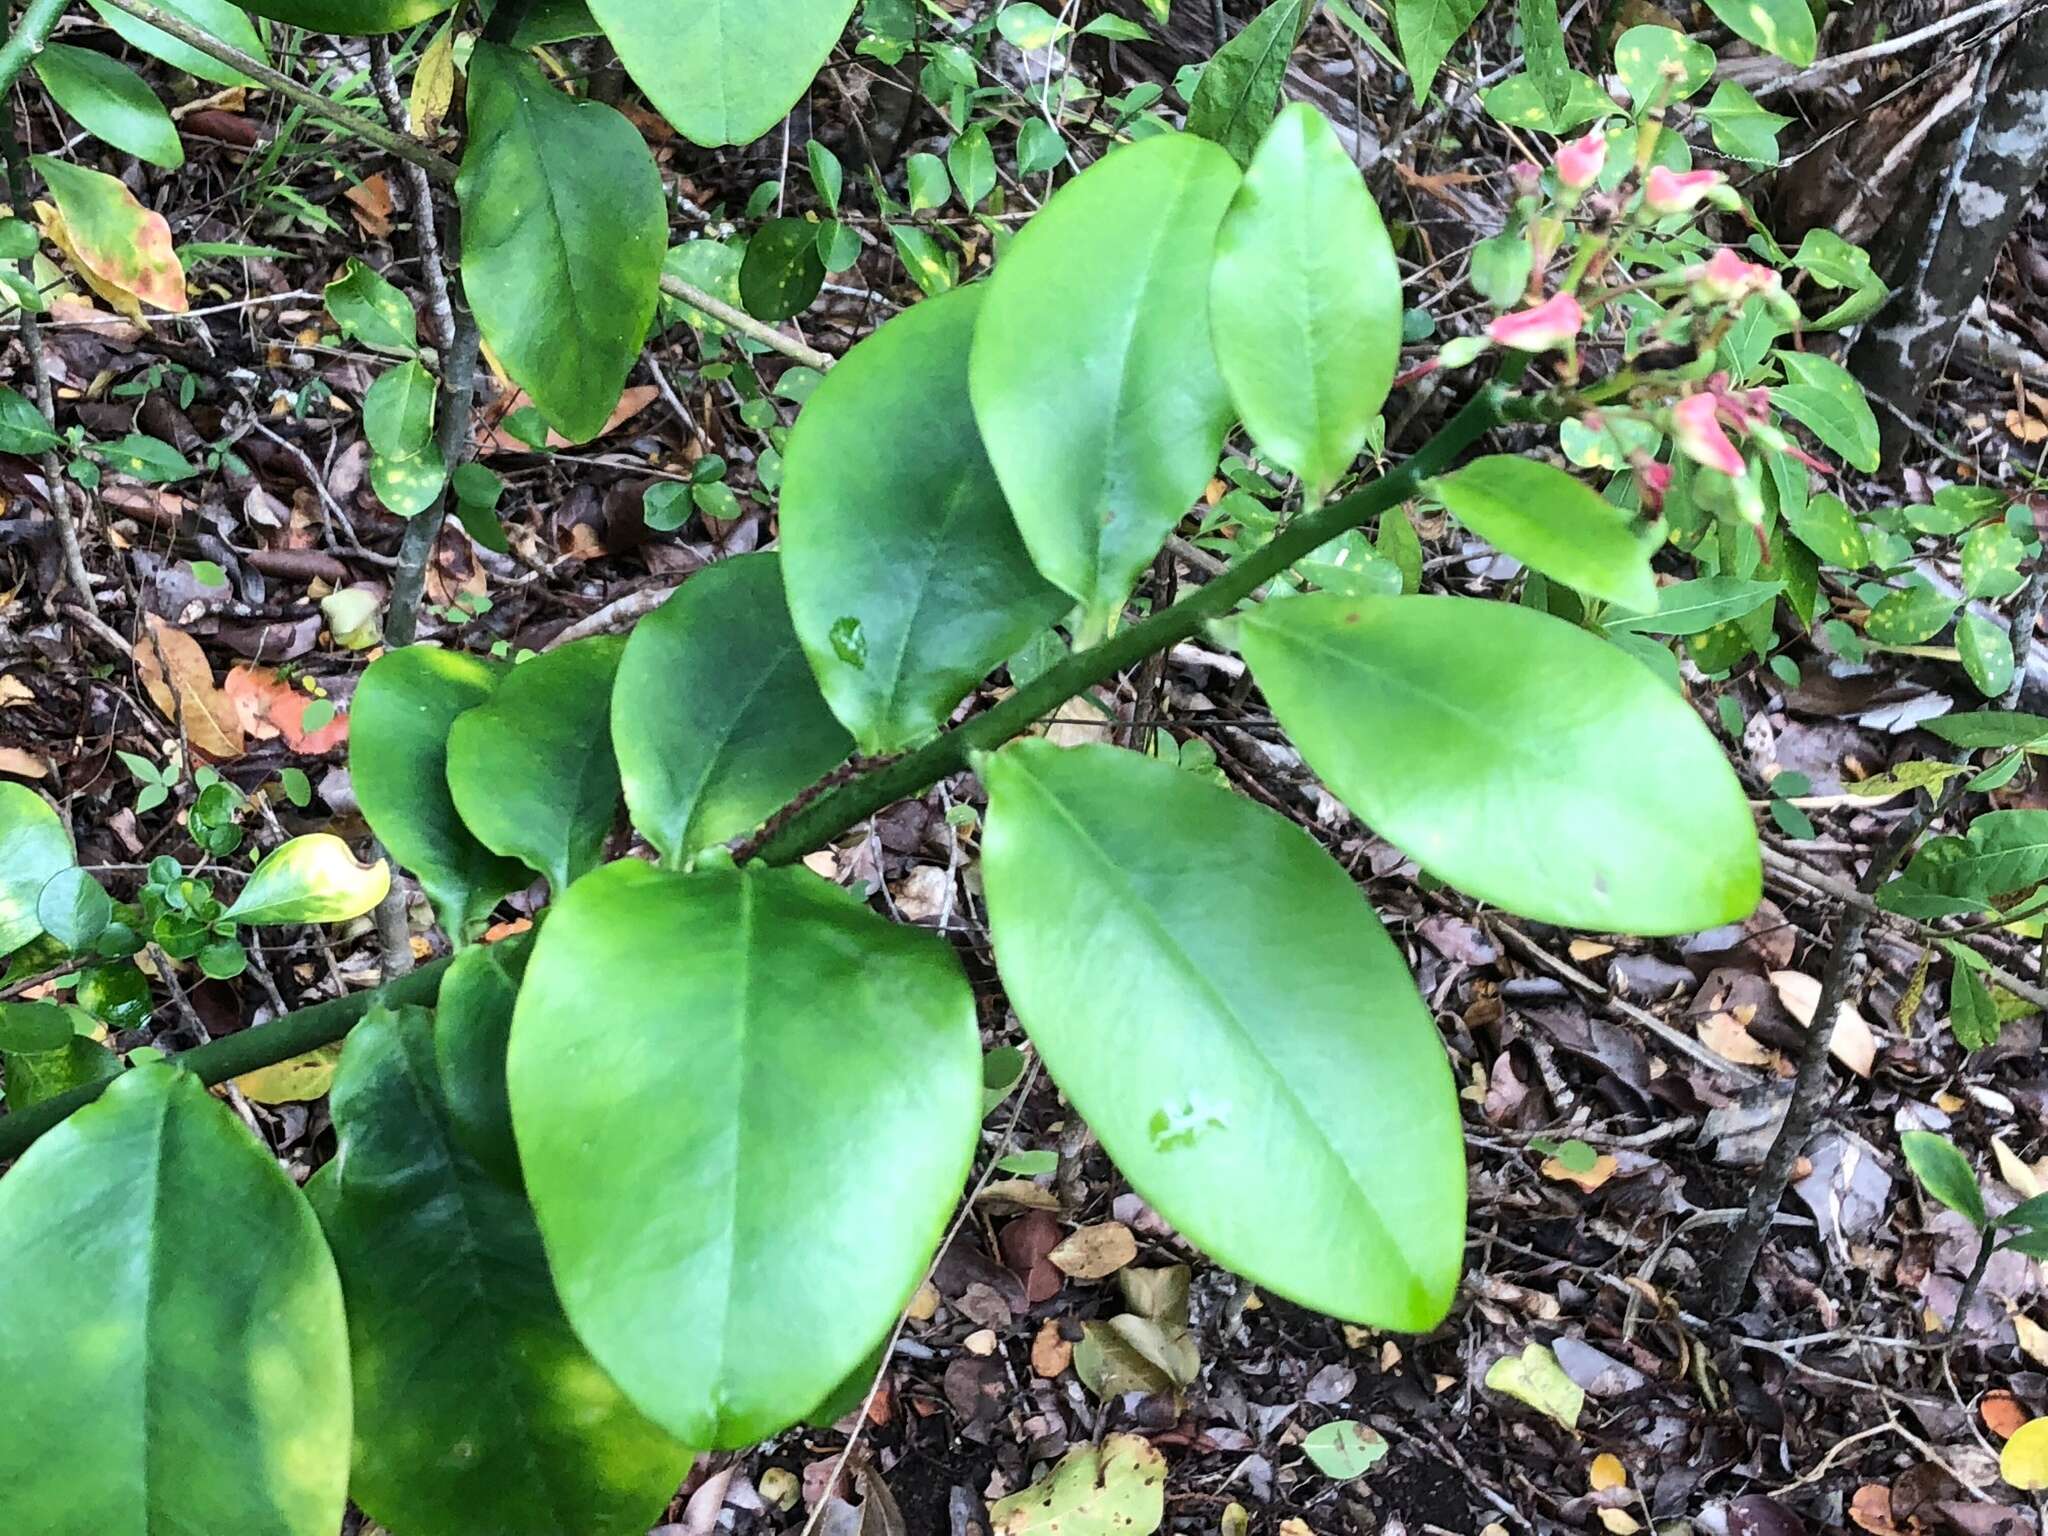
<point x="370" y="201"/>
<point x="2033" y="1338"/>
<point x="269" y="707"/>
<point x="2002" y="1413"/>
<point x="1726" y="1034"/>
<point x="1853" y="1044"/>
<point x="1050" y="1352"/>
<point x="1871" y="1509"/>
<point x="1097" y="1252"/>
<point x="22" y="765"/>
<point x="493" y="439"/>
<point x="174" y="673"/>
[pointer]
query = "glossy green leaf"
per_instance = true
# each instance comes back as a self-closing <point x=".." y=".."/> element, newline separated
<point x="472" y="1025"/>
<point x="409" y="483"/>
<point x="716" y="719"/>
<point x="1825" y="397"/>
<point x="476" y="1407"/>
<point x="43" y="1055"/>
<point x="767" y="1096"/>
<point x="24" y="429"/>
<point x="349" y="18"/>
<point x="1555" y="524"/>
<point x="74" y="908"/>
<point x="564" y="227"/>
<point x="1239" y="89"/>
<point x="1094" y="337"/>
<point x="170" y="1300"/>
<point x="1783" y="27"/>
<point x="895" y="531"/>
<point x="723" y="71"/>
<point x="311" y="879"/>
<point x="369" y="309"/>
<point x="220" y="17"/>
<point x="782" y="271"/>
<point x="1696" y="606"/>
<point x="33" y="847"/>
<point x="1518" y="102"/>
<point x="1945" y="1173"/>
<point x="398" y="411"/>
<point x="972" y="164"/>
<point x="1515" y="756"/>
<point x="1993" y="562"/>
<point x="1986" y="653"/>
<point x="2003" y="854"/>
<point x="111" y="102"/>
<point x="1428" y="30"/>
<point x="532" y="770"/>
<point x="1305" y="301"/>
<point x="399" y="722"/>
<point x="1742" y="127"/>
<point x="1218" y="1001"/>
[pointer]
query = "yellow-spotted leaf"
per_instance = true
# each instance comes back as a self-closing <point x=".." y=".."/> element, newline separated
<point x="118" y="246"/>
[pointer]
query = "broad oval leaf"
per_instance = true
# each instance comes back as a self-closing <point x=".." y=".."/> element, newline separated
<point x="1514" y="756"/>
<point x="1223" y="1008"/>
<point x="716" y="719"/>
<point x="1555" y="524"/>
<point x="765" y="1094"/>
<point x="122" y="249"/>
<point x="1783" y="27"/>
<point x="563" y="230"/>
<point x="1305" y="301"/>
<point x="310" y="879"/>
<point x="1824" y="396"/>
<point x="782" y="271"/>
<point x="404" y="708"/>
<point x="222" y="18"/>
<point x="111" y="102"/>
<point x="170" y="1300"/>
<point x="1094" y="337"/>
<point x="398" y="411"/>
<point x="370" y="308"/>
<point x="723" y="71"/>
<point x="349" y="18"/>
<point x="472" y="1025"/>
<point x="1945" y="1173"/>
<point x="33" y="847"/>
<point x="1239" y="88"/>
<point x="894" y="529"/>
<point x="532" y="770"/>
<point x="476" y="1407"/>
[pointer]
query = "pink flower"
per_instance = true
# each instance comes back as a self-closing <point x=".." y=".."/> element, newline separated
<point x="1579" y="163"/>
<point x="1678" y="192"/>
<point x="1728" y="279"/>
<point x="1653" y="482"/>
<point x="1527" y="176"/>
<point x="1550" y="324"/>
<point x="1696" y="427"/>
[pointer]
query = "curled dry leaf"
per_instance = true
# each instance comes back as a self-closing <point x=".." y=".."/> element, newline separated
<point x="1725" y="1032"/>
<point x="267" y="706"/>
<point x="1871" y="1509"/>
<point x="1050" y="1351"/>
<point x="1853" y="1043"/>
<point x="2002" y="1413"/>
<point x="173" y="671"/>
<point x="1097" y="1252"/>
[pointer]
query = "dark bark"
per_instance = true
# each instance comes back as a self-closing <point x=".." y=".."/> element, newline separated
<point x="2000" y="158"/>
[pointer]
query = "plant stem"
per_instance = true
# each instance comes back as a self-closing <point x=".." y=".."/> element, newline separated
<point x="1987" y="1244"/>
<point x="403" y="145"/>
<point x="739" y="320"/>
<point x="38" y="21"/>
<point x="821" y="818"/>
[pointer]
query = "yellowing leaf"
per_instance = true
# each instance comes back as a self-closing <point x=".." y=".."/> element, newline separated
<point x="2033" y="1338"/>
<point x="2024" y="1461"/>
<point x="1118" y="1489"/>
<point x="1606" y="1472"/>
<point x="120" y="247"/>
<point x="174" y="672"/>
<point x="1094" y="1253"/>
<point x="1534" y="1377"/>
<point x="1620" y="1522"/>
<point x="2022" y="1180"/>
<point x="298" y="1080"/>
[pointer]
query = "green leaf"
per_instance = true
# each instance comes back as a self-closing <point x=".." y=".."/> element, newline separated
<point x="400" y="719"/>
<point x="1555" y="524"/>
<point x="1345" y="1449"/>
<point x="1910" y="617"/>
<point x="1827" y="399"/>
<point x="1543" y="48"/>
<point x="1218" y="1001"/>
<point x="1307" y="328"/>
<point x="476" y="1407"/>
<point x="1986" y="653"/>
<point x="782" y="271"/>
<point x="472" y="1024"/>
<point x="1428" y="30"/>
<point x="2002" y="854"/>
<point x="354" y="18"/>
<point x="765" y="1094"/>
<point x="223" y="19"/>
<point x="409" y="483"/>
<point x="1643" y="54"/>
<point x="930" y="264"/>
<point x="1115" y="1489"/>
<point x="1515" y="756"/>
<point x="311" y="879"/>
<point x="111" y="102"/>
<point x="928" y="182"/>
<point x="1119" y="256"/>
<point x="1988" y="728"/>
<point x="711" y="265"/>
<point x="716" y="719"/>
<point x="973" y="164"/>
<point x="398" y="411"/>
<point x="1783" y="27"/>
<point x="531" y="769"/>
<point x="1834" y="263"/>
<point x="24" y="429"/>
<point x="170" y="1298"/>
<point x="34" y="847"/>
<point x="1517" y="102"/>
<point x="1743" y="129"/>
<point x="1826" y="526"/>
<point x="723" y="71"/>
<point x="1945" y="1174"/>
<point x="894" y="528"/>
<point x="478" y="491"/>
<point x="564" y="227"/>
<point x="1696" y="606"/>
<point x="367" y="308"/>
<point x="74" y="908"/>
<point x="1992" y="561"/>
<point x="75" y="1062"/>
<point x="1029" y="27"/>
<point x="1240" y="87"/>
<point x="149" y="459"/>
<point x="1973" y="1016"/>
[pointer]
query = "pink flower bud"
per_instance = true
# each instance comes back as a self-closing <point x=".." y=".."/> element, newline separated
<point x="1527" y="176"/>
<point x="1675" y="192"/>
<point x="1653" y="482"/>
<point x="1696" y="428"/>
<point x="1580" y="162"/>
<point x="1550" y="324"/>
<point x="1728" y="279"/>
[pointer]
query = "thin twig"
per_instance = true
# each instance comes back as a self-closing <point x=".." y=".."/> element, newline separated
<point x="739" y="320"/>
